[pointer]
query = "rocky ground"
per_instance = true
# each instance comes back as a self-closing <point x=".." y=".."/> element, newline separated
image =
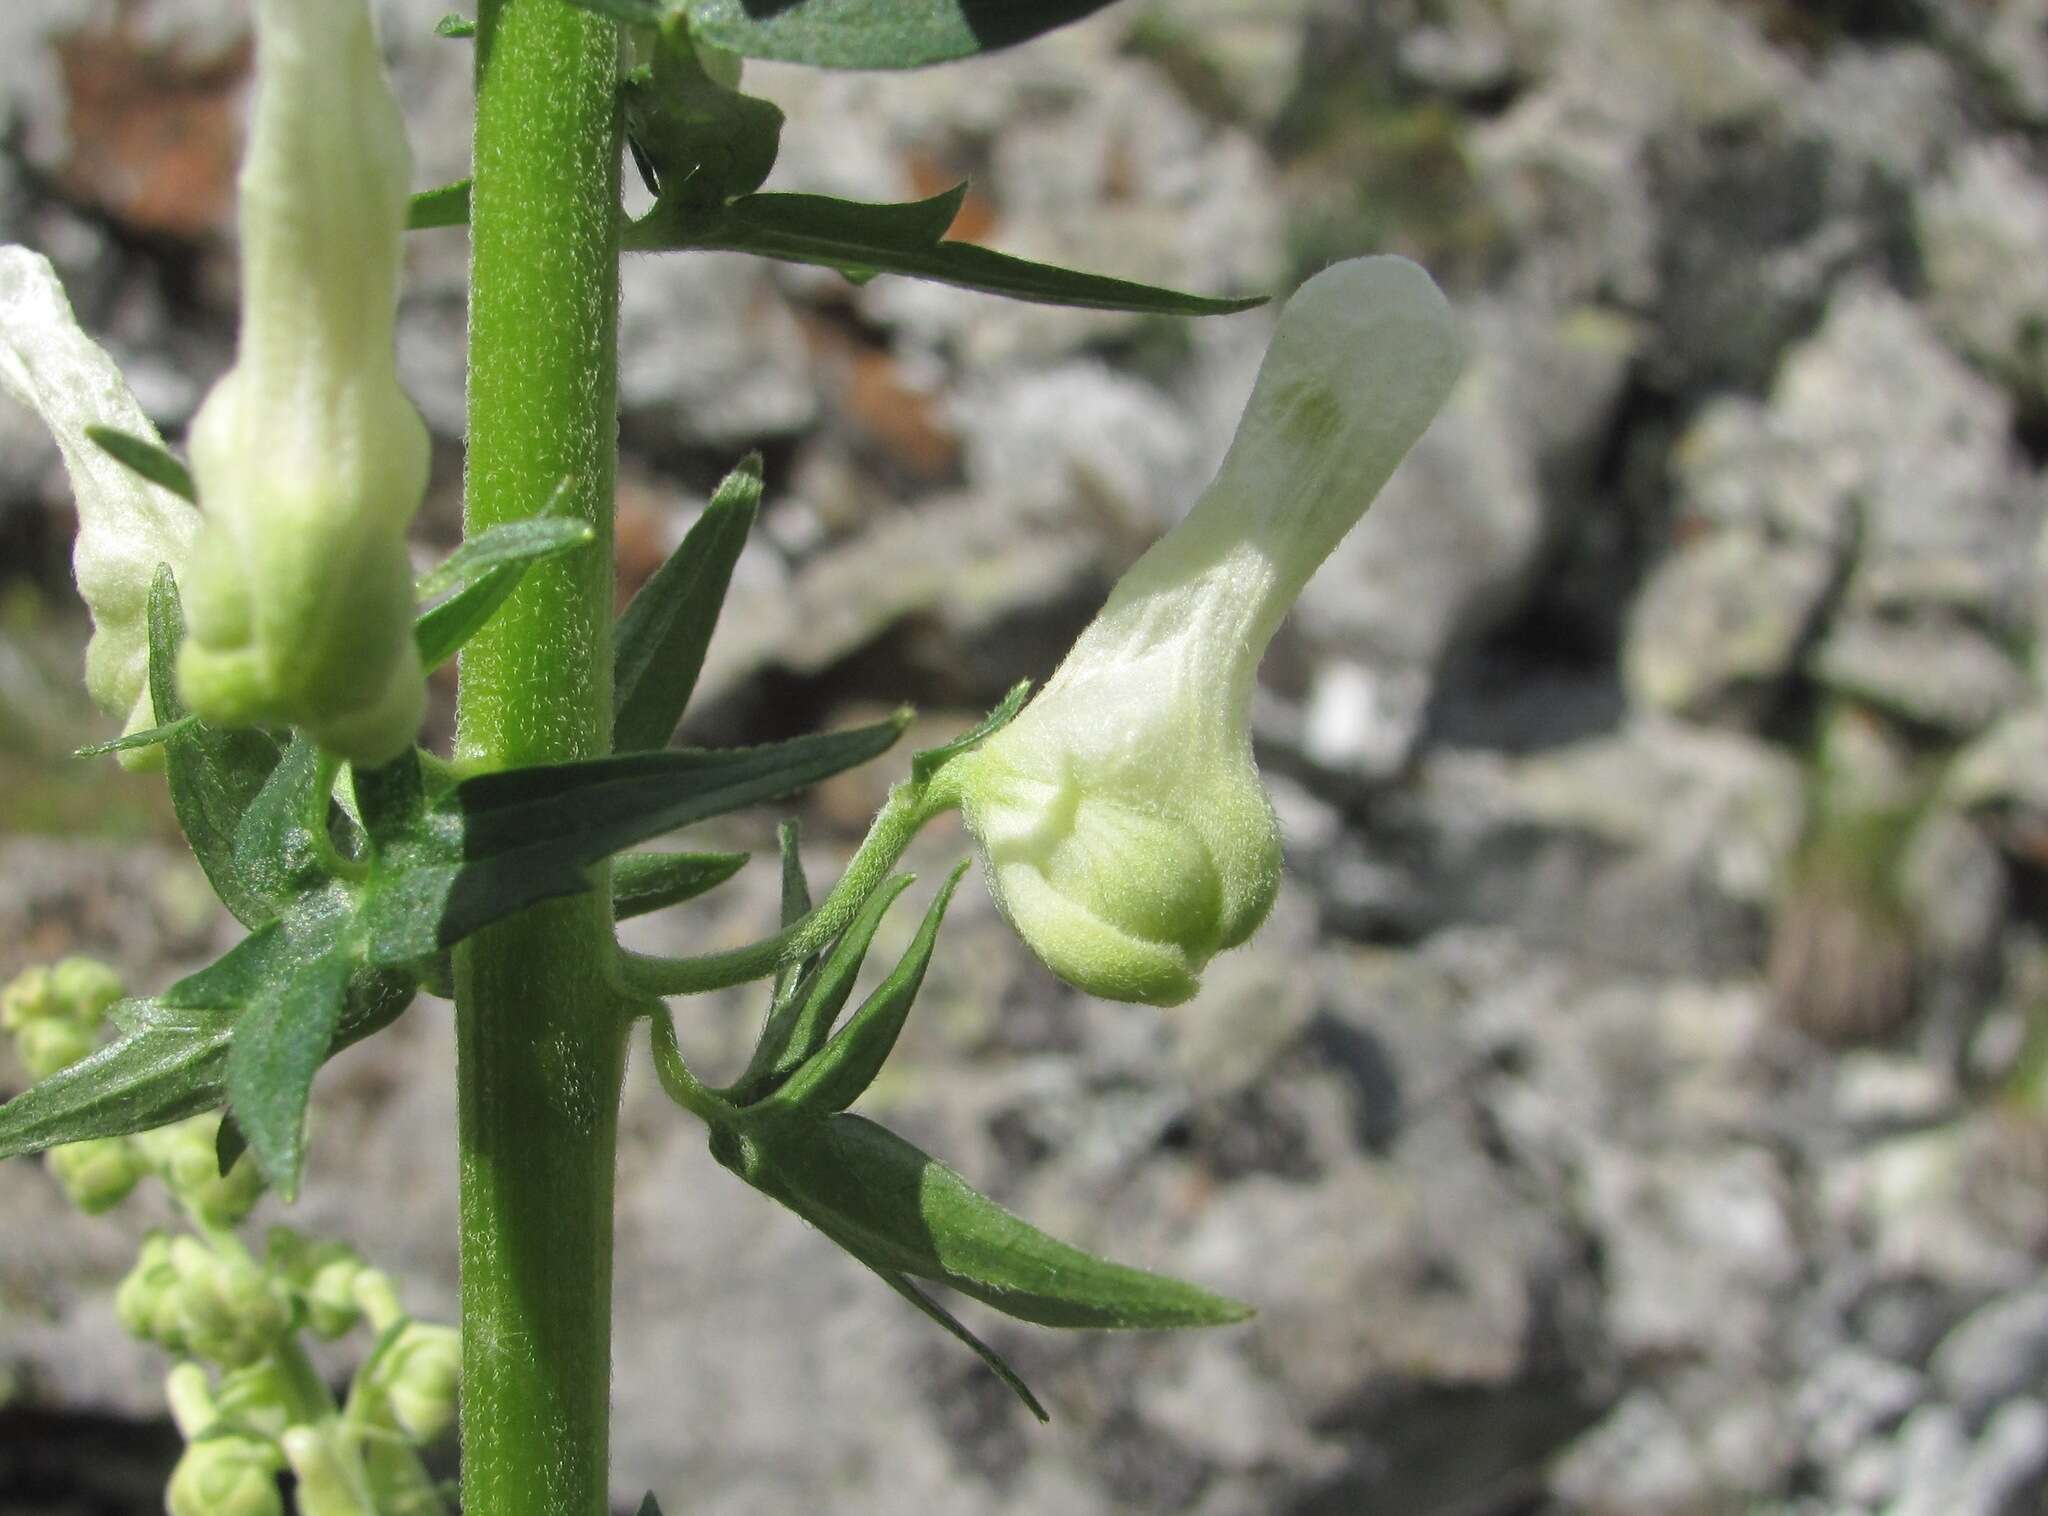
<point x="1635" y="1106"/>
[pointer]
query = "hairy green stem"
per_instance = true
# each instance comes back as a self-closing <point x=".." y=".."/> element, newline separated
<point x="541" y="1050"/>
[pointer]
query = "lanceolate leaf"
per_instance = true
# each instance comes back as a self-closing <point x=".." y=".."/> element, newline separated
<point x="894" y="1206"/>
<point x="281" y="1040"/>
<point x="513" y="839"/>
<point x="877" y="33"/>
<point x="861" y="240"/>
<point x="833" y="1078"/>
<point x="484" y="573"/>
<point x="156" y="464"/>
<point x="515" y="542"/>
<point x="800" y="1018"/>
<point x="664" y="632"/>
<point x="154" y="1075"/>
<point x="644" y="882"/>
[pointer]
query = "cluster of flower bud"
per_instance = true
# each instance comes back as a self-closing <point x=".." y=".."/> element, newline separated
<point x="55" y="1013"/>
<point x="209" y="1302"/>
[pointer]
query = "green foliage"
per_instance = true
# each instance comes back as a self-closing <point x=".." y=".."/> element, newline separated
<point x="663" y="635"/>
<point x="699" y="142"/>
<point x="856" y="33"/>
<point x="861" y="240"/>
<point x="156" y="464"/>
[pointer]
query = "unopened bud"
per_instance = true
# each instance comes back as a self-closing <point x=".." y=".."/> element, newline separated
<point x="49" y="1046"/>
<point x="98" y="1173"/>
<point x="86" y="986"/>
<point x="146" y="1299"/>
<point x="418" y="1375"/>
<point x="226" y="1476"/>
<point x="186" y="1155"/>
<point x="30" y="996"/>
<point x="1125" y="831"/>
<point x="230" y="1310"/>
<point x="309" y="459"/>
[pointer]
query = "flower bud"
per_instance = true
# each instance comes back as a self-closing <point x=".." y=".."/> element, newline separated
<point x="417" y="1376"/>
<point x="48" y="1046"/>
<point x="98" y="1173"/>
<point x="30" y="996"/>
<point x="146" y="1300"/>
<point x="186" y="1156"/>
<point x="86" y="986"/>
<point x="126" y="525"/>
<point x="323" y="1273"/>
<point x="229" y="1309"/>
<point x="226" y="1476"/>
<point x="1124" y="829"/>
<point x="309" y="459"/>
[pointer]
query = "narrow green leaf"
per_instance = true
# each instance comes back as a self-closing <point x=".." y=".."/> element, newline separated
<point x="134" y="740"/>
<point x="799" y="1021"/>
<point x="927" y="763"/>
<point x="490" y="573"/>
<point x="644" y="882"/>
<point x="796" y="890"/>
<point x="159" y="1072"/>
<point x="440" y="632"/>
<point x="526" y="835"/>
<point x="894" y="1205"/>
<point x="994" y="1361"/>
<point x="664" y="632"/>
<point x="280" y="1042"/>
<point x="515" y="542"/>
<point x="139" y="455"/>
<point x="834" y="1077"/>
<point x="214" y="775"/>
<point x="860" y="240"/>
<point x="447" y="205"/>
<point x="796" y="904"/>
<point x="455" y="26"/>
<point x="876" y="33"/>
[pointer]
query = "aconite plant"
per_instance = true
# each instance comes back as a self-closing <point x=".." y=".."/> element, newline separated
<point x="260" y="635"/>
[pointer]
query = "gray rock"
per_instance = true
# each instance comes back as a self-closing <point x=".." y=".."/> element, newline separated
<point x="1721" y="624"/>
<point x="1660" y="845"/>
<point x="1979" y="226"/>
<point x="1997" y="1354"/>
<point x="1942" y="1473"/>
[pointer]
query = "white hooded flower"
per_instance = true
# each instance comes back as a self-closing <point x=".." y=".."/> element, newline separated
<point x="126" y="526"/>
<point x="310" y="460"/>
<point x="1125" y="831"/>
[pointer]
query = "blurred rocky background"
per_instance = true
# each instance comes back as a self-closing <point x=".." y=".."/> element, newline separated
<point x="1636" y="1104"/>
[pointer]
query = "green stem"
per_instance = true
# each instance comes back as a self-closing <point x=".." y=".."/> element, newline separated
<point x="541" y="1049"/>
<point x="908" y="808"/>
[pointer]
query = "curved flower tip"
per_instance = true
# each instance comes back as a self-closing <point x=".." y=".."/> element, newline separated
<point x="309" y="458"/>
<point x="126" y="526"/>
<point x="1124" y="829"/>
